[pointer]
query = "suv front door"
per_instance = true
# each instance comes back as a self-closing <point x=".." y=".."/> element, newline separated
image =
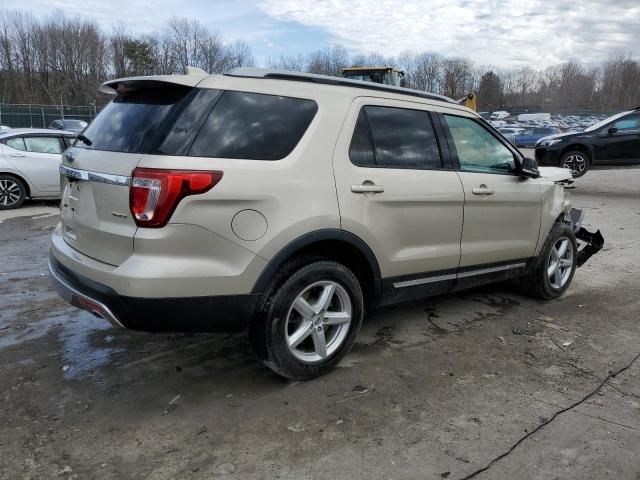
<point x="396" y="193"/>
<point x="501" y="210"/>
<point x="621" y="146"/>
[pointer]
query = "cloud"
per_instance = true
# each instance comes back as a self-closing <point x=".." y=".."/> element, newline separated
<point x="493" y="32"/>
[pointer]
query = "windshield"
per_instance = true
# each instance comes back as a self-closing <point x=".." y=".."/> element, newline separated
<point x="599" y="125"/>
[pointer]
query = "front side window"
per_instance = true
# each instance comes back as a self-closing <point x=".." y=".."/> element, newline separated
<point x="43" y="144"/>
<point x="478" y="150"/>
<point x="253" y="126"/>
<point x="392" y="137"/>
<point x="632" y="122"/>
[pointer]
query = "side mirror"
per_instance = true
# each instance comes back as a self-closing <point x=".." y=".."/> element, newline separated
<point x="612" y="130"/>
<point x="529" y="168"/>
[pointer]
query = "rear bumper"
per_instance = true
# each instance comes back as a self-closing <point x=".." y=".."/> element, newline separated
<point x="184" y="314"/>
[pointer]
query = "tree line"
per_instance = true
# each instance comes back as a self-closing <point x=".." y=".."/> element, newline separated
<point x="63" y="59"/>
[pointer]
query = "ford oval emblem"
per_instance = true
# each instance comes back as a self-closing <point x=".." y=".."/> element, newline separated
<point x="70" y="156"/>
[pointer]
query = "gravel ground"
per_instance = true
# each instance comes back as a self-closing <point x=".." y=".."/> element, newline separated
<point x="436" y="389"/>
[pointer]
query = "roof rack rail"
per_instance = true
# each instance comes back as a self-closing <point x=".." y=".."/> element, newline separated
<point x="327" y="80"/>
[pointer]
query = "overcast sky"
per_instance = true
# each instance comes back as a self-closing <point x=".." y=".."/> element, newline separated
<point x="491" y="32"/>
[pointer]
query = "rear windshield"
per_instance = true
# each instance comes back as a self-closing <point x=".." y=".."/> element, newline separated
<point x="175" y="120"/>
<point x="131" y="122"/>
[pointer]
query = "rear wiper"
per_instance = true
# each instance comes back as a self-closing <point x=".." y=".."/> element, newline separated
<point x="84" y="139"/>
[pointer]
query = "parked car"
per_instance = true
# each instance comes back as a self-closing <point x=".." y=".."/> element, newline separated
<point x="29" y="164"/>
<point x="4" y="128"/>
<point x="292" y="204"/>
<point x="530" y="136"/>
<point x="534" y="117"/>
<point x="612" y="141"/>
<point x="69" y="124"/>
<point x="499" y="115"/>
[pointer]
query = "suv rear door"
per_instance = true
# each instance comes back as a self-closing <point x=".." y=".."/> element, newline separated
<point x="396" y="193"/>
<point x="95" y="214"/>
<point x="37" y="156"/>
<point x="502" y="210"/>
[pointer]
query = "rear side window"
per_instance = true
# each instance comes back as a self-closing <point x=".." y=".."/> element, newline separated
<point x="43" y="144"/>
<point x="393" y="137"/>
<point x="134" y="120"/>
<point x="253" y="126"/>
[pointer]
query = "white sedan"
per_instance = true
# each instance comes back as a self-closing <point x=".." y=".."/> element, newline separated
<point x="29" y="161"/>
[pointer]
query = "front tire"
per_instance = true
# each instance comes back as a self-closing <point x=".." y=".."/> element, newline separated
<point x="552" y="271"/>
<point x="577" y="161"/>
<point x="12" y="192"/>
<point x="307" y="323"/>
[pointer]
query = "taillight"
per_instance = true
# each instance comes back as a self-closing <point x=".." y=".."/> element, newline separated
<point x="155" y="194"/>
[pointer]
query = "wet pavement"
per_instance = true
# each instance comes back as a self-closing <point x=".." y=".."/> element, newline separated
<point x="440" y="388"/>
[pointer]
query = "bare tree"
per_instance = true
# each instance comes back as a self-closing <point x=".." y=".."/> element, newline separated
<point x="64" y="59"/>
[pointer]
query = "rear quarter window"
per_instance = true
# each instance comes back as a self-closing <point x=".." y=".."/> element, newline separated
<point x="253" y="126"/>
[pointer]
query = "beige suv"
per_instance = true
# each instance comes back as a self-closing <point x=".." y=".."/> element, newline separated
<point x="291" y="204"/>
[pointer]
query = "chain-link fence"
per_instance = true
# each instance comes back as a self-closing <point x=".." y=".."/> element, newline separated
<point x="41" y="116"/>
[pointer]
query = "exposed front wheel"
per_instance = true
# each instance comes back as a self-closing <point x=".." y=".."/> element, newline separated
<point x="576" y="161"/>
<point x="552" y="271"/>
<point x="12" y="192"/>
<point x="308" y="323"/>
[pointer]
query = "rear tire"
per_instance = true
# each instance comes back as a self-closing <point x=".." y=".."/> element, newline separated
<point x="577" y="161"/>
<point x="552" y="271"/>
<point x="308" y="320"/>
<point x="12" y="192"/>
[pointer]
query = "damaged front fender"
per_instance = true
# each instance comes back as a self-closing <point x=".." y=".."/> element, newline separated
<point x="593" y="241"/>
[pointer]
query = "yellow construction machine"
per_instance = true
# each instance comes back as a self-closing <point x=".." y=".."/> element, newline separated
<point x="394" y="77"/>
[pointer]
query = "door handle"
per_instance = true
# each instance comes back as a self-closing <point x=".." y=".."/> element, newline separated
<point x="17" y="154"/>
<point x="482" y="190"/>
<point x="367" y="188"/>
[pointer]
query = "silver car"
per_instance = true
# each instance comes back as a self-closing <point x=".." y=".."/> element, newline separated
<point x="29" y="163"/>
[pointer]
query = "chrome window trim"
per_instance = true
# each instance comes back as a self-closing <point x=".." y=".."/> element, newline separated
<point x="97" y="177"/>
<point x="422" y="281"/>
<point x="483" y="271"/>
<point x="453" y="276"/>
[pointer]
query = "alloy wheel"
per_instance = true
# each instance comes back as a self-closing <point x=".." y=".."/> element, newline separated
<point x="318" y="321"/>
<point x="560" y="263"/>
<point x="576" y="163"/>
<point x="10" y="193"/>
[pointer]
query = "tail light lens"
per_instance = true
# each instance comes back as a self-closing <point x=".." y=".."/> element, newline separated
<point x="155" y="194"/>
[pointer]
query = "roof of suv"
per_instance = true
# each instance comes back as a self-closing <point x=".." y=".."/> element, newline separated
<point x="328" y="80"/>
<point x="35" y="131"/>
<point x="191" y="80"/>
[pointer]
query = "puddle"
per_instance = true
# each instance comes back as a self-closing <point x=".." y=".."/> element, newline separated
<point x="86" y="346"/>
<point x="86" y="342"/>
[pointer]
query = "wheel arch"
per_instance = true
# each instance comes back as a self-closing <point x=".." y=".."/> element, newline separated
<point x="579" y="147"/>
<point x="17" y="176"/>
<point x="334" y="244"/>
